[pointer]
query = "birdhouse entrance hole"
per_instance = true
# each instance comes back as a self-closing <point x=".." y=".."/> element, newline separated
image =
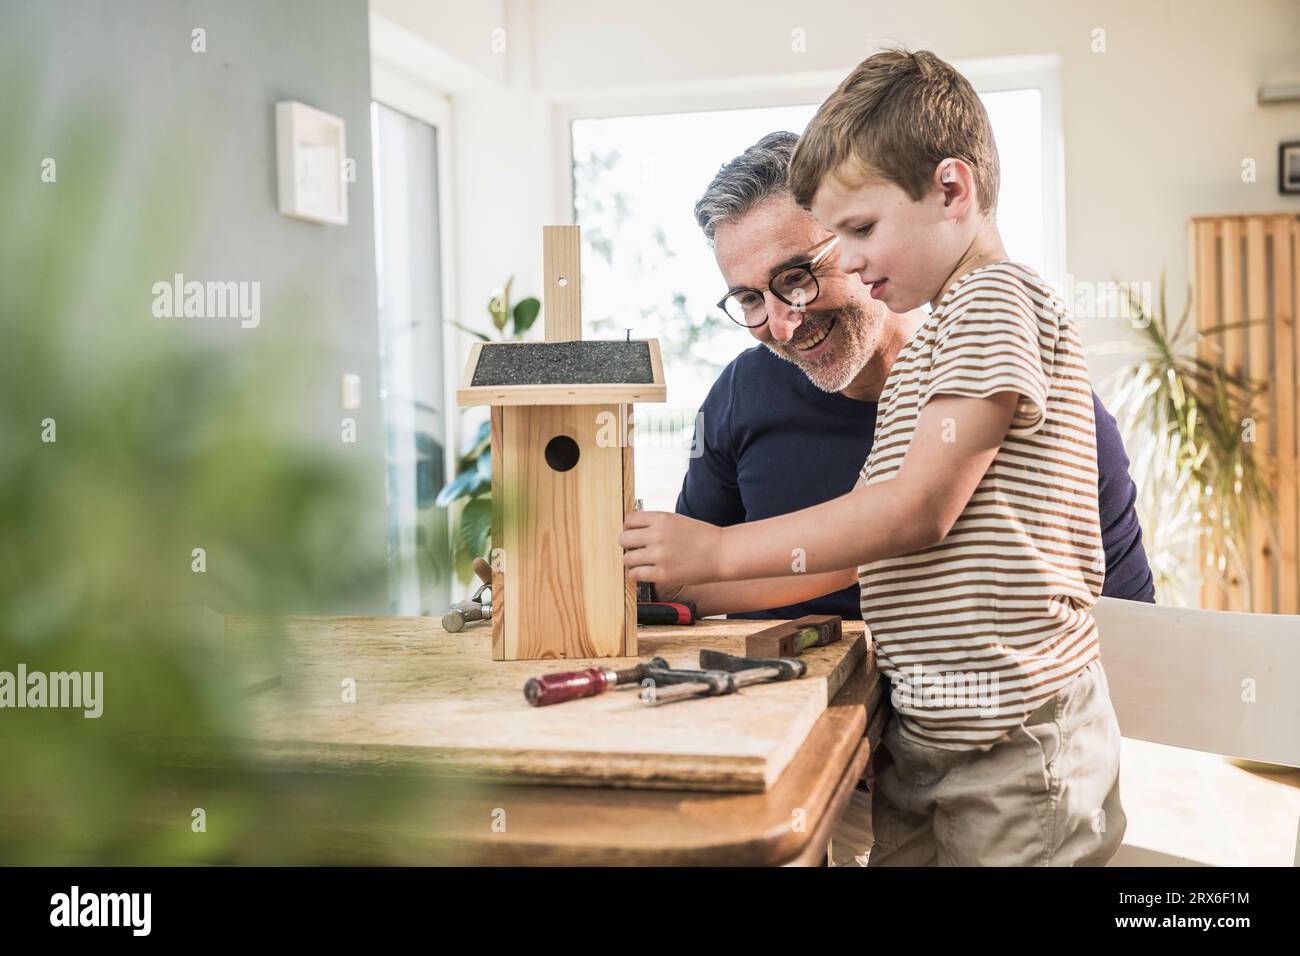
<point x="561" y="453"/>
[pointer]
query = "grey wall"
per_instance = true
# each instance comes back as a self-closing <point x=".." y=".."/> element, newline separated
<point x="190" y="137"/>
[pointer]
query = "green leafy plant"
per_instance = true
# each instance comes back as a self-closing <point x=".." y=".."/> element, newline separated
<point x="1186" y="422"/>
<point x="472" y="486"/>
<point x="523" y="315"/>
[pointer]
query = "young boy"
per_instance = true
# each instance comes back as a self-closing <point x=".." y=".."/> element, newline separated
<point x="974" y="533"/>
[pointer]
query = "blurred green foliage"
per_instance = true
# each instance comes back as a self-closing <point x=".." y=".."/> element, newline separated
<point x="167" y="438"/>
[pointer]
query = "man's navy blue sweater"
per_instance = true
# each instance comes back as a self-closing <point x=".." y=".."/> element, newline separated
<point x="771" y="442"/>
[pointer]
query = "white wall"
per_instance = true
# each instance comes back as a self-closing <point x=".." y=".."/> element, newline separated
<point x="1155" y="128"/>
<point x="455" y="26"/>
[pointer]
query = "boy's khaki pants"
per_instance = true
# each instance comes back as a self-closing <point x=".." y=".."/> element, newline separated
<point x="1045" y="795"/>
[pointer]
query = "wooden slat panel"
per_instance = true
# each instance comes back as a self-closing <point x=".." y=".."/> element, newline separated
<point x="1205" y="279"/>
<point x="562" y="295"/>
<point x="1259" y="366"/>
<point x="1286" y="239"/>
<point x="1248" y="267"/>
<point x="1231" y="293"/>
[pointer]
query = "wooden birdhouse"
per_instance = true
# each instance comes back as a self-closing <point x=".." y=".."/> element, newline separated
<point x="562" y="472"/>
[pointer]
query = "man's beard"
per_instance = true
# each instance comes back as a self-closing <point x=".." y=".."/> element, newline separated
<point x="855" y="340"/>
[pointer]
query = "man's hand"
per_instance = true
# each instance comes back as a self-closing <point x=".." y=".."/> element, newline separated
<point x="669" y="549"/>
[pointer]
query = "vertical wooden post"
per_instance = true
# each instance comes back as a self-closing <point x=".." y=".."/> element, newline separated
<point x="562" y="294"/>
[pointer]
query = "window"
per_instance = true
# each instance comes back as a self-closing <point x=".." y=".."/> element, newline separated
<point x="648" y="268"/>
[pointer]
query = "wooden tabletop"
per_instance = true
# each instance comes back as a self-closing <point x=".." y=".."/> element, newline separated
<point x="789" y="824"/>
<point x="487" y="819"/>
<point x="388" y="692"/>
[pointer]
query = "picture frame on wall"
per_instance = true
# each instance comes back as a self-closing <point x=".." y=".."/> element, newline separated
<point x="1288" y="168"/>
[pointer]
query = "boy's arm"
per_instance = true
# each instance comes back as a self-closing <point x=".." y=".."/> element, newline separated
<point x="735" y="597"/>
<point x="956" y="439"/>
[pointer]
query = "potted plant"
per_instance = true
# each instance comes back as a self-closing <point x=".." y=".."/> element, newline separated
<point x="472" y="486"/>
<point x="1183" y="421"/>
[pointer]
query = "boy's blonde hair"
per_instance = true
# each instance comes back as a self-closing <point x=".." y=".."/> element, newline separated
<point x="896" y="116"/>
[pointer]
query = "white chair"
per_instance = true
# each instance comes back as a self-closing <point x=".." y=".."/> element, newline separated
<point x="1183" y="677"/>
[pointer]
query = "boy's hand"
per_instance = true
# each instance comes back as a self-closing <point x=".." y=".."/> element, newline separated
<point x="670" y="549"/>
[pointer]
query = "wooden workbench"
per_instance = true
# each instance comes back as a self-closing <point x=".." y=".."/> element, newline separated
<point x="489" y="818"/>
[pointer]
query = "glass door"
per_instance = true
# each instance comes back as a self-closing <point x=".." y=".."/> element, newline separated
<point x="409" y="279"/>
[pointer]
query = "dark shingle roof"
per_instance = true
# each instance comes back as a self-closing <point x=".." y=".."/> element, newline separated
<point x="584" y="362"/>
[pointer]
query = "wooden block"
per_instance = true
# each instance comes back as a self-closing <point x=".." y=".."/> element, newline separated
<point x="562" y="294"/>
<point x="787" y="639"/>
<point x="560" y="528"/>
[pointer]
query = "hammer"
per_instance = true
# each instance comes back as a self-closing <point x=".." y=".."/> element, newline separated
<point x="475" y="608"/>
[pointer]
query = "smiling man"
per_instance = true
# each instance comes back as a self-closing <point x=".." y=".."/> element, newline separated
<point x="788" y="423"/>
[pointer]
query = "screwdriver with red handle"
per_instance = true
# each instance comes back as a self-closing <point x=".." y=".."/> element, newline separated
<point x="556" y="688"/>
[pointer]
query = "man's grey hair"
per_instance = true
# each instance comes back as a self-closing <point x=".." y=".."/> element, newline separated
<point x="759" y="172"/>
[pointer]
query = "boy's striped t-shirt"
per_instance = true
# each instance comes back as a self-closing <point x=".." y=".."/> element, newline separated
<point x="977" y="631"/>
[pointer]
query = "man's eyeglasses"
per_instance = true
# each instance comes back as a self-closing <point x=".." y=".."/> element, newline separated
<point x="796" y="286"/>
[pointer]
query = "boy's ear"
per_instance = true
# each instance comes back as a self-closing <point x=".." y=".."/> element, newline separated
<point x="954" y="179"/>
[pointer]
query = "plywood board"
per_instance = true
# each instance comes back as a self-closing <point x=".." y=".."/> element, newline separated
<point x="431" y="701"/>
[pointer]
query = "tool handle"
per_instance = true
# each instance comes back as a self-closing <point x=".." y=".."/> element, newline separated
<point x="650" y="613"/>
<point x="556" y="688"/>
